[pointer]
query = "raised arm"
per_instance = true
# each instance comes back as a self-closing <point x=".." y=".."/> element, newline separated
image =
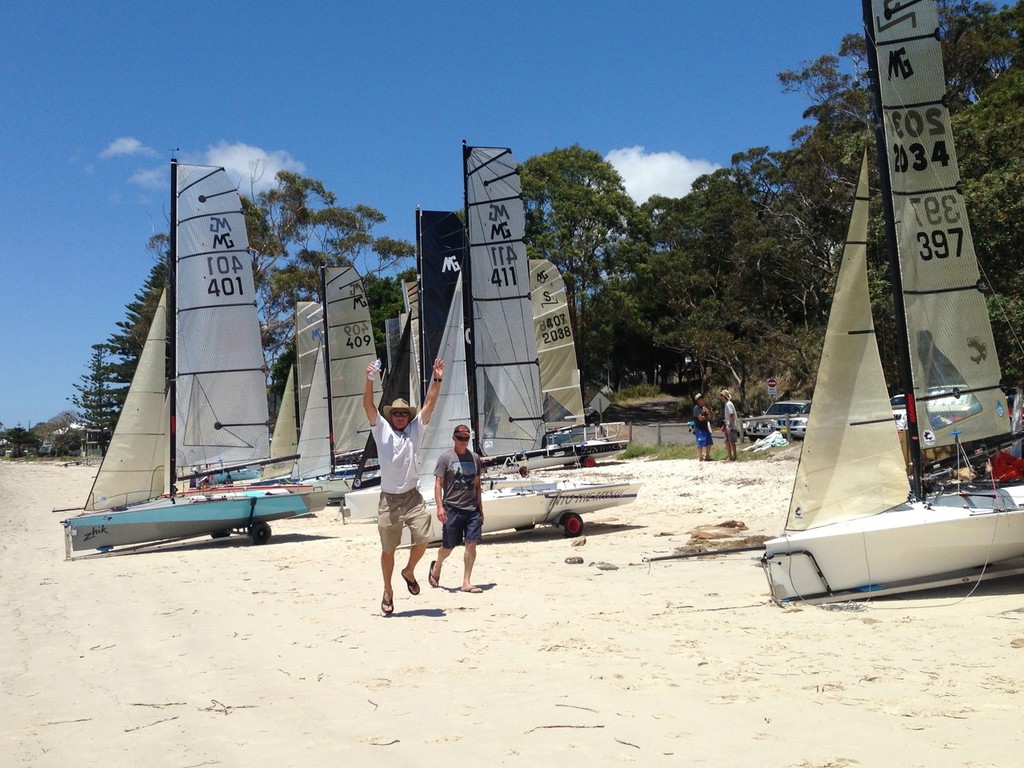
<point x="432" y="392"/>
<point x="368" y="405"/>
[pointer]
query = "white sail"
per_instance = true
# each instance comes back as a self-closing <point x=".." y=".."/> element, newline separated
<point x="221" y="406"/>
<point x="351" y="347"/>
<point x="135" y="466"/>
<point x="956" y="371"/>
<point x="309" y="337"/>
<point x="556" y="345"/>
<point x="452" y="406"/>
<point x="504" y="348"/>
<point x="850" y="432"/>
<point x="412" y="317"/>
<point x="314" y="446"/>
<point x="285" y="440"/>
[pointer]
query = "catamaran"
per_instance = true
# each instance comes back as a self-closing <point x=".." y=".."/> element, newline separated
<point x="209" y="409"/>
<point x="855" y="528"/>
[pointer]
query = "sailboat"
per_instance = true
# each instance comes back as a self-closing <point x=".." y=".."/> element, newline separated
<point x="564" y="418"/>
<point x="492" y="379"/>
<point x="855" y="527"/>
<point x="209" y="409"/>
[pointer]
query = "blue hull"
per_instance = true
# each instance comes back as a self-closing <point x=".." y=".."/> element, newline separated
<point x="194" y="514"/>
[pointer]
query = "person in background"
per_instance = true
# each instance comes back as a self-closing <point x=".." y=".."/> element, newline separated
<point x="730" y="424"/>
<point x="702" y="428"/>
<point x="460" y="508"/>
<point x="398" y="436"/>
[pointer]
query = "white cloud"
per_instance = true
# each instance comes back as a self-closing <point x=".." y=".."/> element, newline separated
<point x="657" y="173"/>
<point x="253" y="168"/>
<point x="126" y="145"/>
<point x="151" y="178"/>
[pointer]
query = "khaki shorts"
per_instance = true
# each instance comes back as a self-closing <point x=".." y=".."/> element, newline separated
<point x="397" y="510"/>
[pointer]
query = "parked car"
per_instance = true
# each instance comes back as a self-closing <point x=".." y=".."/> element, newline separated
<point x="776" y="417"/>
<point x="899" y="411"/>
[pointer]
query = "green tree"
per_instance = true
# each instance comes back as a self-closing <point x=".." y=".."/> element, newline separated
<point x="580" y="218"/>
<point x="98" y="401"/>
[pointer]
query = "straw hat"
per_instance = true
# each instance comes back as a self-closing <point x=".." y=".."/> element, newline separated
<point x="698" y="396"/>
<point x="401" y="405"/>
<point x="725" y="393"/>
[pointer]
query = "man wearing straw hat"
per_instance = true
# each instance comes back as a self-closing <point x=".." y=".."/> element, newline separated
<point x="398" y="436"/>
<point x="730" y="424"/>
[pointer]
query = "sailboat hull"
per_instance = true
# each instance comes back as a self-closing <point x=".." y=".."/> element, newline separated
<point x="191" y="514"/>
<point x="520" y="506"/>
<point x="913" y="546"/>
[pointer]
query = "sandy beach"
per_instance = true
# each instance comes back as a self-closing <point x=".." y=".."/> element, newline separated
<point x="221" y="653"/>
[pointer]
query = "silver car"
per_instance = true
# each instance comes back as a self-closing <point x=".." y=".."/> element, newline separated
<point x="791" y="414"/>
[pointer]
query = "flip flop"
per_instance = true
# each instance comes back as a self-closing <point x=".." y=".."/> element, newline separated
<point x="387" y="607"/>
<point x="412" y="584"/>
<point x="473" y="590"/>
<point x="434" y="580"/>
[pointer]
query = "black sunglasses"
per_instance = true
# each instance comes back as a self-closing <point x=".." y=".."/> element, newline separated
<point x="461" y="438"/>
<point x="400" y="413"/>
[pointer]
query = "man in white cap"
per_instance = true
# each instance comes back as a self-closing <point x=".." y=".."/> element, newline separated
<point x="398" y="436"/>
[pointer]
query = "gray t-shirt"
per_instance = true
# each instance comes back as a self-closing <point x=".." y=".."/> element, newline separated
<point x="458" y="478"/>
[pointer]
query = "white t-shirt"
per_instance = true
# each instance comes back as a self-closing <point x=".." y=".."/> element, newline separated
<point x="730" y="416"/>
<point x="397" y="453"/>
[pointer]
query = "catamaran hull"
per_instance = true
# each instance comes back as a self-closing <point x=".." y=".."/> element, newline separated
<point x="512" y="508"/>
<point x="914" y="546"/>
<point x="191" y="514"/>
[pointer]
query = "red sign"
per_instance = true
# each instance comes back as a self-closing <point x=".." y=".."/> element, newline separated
<point x="772" y="383"/>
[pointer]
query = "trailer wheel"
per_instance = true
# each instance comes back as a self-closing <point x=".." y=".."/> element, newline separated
<point x="572" y="524"/>
<point x="220" y="534"/>
<point x="260" y="533"/>
<point x="589" y="462"/>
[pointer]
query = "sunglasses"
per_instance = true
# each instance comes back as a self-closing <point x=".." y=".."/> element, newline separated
<point x="461" y="438"/>
<point x="400" y="414"/>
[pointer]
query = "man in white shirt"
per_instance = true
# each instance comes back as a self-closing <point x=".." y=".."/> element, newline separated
<point x="398" y="436"/>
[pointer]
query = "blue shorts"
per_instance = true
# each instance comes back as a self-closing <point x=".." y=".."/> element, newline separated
<point x="462" y="525"/>
<point x="703" y="438"/>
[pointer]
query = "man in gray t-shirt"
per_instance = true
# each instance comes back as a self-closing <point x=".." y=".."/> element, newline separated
<point x="458" y="495"/>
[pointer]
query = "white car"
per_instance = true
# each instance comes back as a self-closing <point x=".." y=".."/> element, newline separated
<point x="899" y="411"/>
<point x="779" y="414"/>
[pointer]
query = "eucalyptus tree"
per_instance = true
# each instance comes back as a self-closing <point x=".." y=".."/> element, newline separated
<point x="580" y="218"/>
<point x="295" y="229"/>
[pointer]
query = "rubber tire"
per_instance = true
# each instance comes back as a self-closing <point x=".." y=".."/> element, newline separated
<point x="572" y="525"/>
<point x="589" y="462"/>
<point x="259" y="533"/>
<point x="220" y="534"/>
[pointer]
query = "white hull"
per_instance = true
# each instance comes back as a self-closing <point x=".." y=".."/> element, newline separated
<point x="915" y="543"/>
<point x="520" y="506"/>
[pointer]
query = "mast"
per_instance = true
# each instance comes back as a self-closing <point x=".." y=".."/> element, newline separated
<point x="895" y="274"/>
<point x="327" y="366"/>
<point x="467" y="308"/>
<point x="423" y="382"/>
<point x="172" y="327"/>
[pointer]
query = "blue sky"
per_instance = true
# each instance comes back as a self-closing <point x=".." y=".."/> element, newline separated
<point x="372" y="98"/>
